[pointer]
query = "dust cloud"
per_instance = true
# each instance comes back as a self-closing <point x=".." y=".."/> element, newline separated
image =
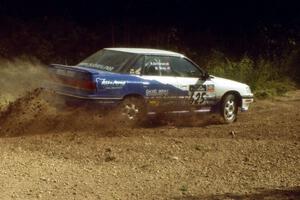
<point x="19" y="76"/>
<point x="27" y="108"/>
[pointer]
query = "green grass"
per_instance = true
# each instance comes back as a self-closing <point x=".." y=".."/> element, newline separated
<point x="183" y="189"/>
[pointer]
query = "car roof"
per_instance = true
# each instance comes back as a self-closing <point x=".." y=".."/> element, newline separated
<point x="147" y="51"/>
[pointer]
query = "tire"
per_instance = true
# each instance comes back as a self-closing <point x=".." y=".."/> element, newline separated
<point x="132" y="111"/>
<point x="229" y="109"/>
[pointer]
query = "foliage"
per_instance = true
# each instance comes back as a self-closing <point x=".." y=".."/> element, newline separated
<point x="265" y="78"/>
<point x="267" y="59"/>
<point x="183" y="189"/>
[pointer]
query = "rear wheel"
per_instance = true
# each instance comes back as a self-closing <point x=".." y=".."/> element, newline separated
<point x="132" y="111"/>
<point x="229" y="109"/>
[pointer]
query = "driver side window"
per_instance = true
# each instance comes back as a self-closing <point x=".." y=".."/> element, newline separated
<point x="157" y="66"/>
<point x="170" y="66"/>
<point x="185" y="68"/>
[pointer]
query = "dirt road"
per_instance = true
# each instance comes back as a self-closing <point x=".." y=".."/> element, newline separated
<point x="49" y="155"/>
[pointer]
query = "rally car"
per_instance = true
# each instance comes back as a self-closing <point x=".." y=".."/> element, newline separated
<point x="142" y="82"/>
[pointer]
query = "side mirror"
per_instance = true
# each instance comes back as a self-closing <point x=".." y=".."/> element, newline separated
<point x="205" y="76"/>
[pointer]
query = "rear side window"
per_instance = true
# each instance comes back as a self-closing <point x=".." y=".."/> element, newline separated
<point x="136" y="67"/>
<point x="107" y="60"/>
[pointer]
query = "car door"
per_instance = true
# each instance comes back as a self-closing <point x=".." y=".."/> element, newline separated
<point x="163" y="88"/>
<point x="194" y="89"/>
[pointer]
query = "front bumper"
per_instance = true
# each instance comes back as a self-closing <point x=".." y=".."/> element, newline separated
<point x="246" y="101"/>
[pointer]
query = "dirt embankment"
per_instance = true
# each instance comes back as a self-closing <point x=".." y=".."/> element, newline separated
<point x="49" y="153"/>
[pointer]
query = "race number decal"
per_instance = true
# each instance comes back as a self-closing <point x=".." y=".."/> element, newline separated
<point x="197" y="93"/>
<point x="197" y="97"/>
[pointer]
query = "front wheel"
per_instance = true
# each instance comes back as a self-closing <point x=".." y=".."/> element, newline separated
<point x="229" y="109"/>
<point x="132" y="111"/>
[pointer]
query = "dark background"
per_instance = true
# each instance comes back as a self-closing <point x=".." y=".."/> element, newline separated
<point x="68" y="31"/>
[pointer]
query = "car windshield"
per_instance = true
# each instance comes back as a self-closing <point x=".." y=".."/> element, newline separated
<point x="107" y="60"/>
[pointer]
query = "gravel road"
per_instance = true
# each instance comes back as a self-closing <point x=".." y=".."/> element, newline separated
<point x="51" y="154"/>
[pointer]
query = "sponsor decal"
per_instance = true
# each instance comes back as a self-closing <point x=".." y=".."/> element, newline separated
<point x="98" y="66"/>
<point x="157" y="92"/>
<point x="105" y="102"/>
<point x="154" y="103"/>
<point x="110" y="84"/>
<point x="194" y="88"/>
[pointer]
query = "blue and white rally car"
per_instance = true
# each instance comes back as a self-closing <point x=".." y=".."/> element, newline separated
<point x="148" y="81"/>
